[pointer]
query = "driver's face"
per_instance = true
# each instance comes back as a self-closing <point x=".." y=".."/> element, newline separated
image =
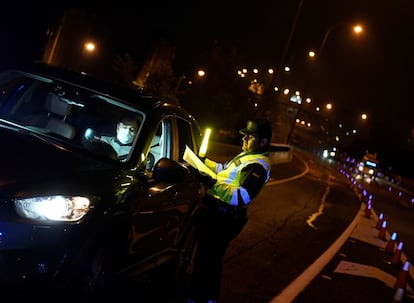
<point x="130" y="127"/>
<point x="126" y="132"/>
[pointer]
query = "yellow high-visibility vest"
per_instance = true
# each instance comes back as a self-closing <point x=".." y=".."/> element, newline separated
<point x="227" y="188"/>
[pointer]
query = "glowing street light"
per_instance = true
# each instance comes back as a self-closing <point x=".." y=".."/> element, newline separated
<point x="358" y="29"/>
<point x="201" y="73"/>
<point x="89" y="46"/>
<point x="86" y="52"/>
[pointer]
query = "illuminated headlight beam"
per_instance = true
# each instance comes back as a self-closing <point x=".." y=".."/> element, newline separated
<point x="53" y="208"/>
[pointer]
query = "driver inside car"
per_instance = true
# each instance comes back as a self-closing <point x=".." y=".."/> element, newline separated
<point x="126" y="130"/>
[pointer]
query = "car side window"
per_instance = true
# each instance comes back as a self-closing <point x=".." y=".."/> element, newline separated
<point x="156" y="147"/>
<point x="186" y="136"/>
<point x="160" y="143"/>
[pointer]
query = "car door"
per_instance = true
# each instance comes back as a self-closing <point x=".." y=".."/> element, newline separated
<point x="159" y="219"/>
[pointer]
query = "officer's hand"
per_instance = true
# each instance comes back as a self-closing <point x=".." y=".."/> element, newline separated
<point x="202" y="177"/>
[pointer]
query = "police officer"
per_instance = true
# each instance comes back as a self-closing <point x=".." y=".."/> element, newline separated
<point x="238" y="182"/>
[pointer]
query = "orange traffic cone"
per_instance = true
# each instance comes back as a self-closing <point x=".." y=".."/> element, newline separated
<point x="402" y="277"/>
<point x="396" y="257"/>
<point x="380" y="219"/>
<point x="382" y="231"/>
<point x="399" y="295"/>
<point x="368" y="210"/>
<point x="391" y="243"/>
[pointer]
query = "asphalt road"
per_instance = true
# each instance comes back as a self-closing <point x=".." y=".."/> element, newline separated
<point x="304" y="209"/>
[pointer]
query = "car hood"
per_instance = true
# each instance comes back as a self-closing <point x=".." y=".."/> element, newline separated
<point x="30" y="163"/>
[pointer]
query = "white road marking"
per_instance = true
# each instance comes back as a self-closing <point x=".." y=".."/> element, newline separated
<point x="362" y="270"/>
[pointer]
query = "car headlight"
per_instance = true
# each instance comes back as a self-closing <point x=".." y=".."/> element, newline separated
<point x="53" y="208"/>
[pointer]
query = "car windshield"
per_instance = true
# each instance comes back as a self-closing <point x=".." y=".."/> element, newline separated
<point x="73" y="115"/>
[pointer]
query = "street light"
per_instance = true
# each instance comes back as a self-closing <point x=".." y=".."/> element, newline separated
<point x="201" y="73"/>
<point x="357" y="29"/>
<point x="89" y="48"/>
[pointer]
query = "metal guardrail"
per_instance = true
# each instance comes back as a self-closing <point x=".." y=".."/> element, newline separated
<point x="280" y="153"/>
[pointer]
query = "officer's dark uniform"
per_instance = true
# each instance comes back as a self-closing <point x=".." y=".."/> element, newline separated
<point x="238" y="182"/>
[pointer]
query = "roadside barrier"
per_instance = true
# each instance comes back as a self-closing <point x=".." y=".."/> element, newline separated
<point x="368" y="210"/>
<point x="391" y="243"/>
<point x="383" y="231"/>
<point x="399" y="295"/>
<point x="379" y="221"/>
<point x="402" y="278"/>
<point x="398" y="258"/>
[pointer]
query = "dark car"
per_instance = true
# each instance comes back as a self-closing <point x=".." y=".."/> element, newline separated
<point x="75" y="216"/>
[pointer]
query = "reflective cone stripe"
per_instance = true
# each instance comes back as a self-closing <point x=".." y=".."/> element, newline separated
<point x="399" y="295"/>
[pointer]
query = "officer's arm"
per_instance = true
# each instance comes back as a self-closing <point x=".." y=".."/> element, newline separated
<point x="252" y="178"/>
<point x="213" y="165"/>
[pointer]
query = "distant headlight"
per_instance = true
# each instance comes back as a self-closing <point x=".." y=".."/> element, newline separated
<point x="53" y="208"/>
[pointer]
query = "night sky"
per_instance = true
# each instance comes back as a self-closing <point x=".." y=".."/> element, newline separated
<point x="371" y="73"/>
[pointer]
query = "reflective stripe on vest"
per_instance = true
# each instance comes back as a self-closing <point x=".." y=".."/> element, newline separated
<point x="228" y="189"/>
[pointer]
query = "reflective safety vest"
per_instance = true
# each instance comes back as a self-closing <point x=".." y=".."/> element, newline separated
<point x="228" y="188"/>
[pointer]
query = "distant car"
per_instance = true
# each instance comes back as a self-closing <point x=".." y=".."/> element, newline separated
<point x="73" y="215"/>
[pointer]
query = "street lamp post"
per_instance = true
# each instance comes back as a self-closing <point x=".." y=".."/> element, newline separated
<point x="357" y="29"/>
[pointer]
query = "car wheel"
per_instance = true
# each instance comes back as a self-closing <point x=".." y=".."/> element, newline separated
<point x="84" y="280"/>
<point x="92" y="272"/>
<point x="103" y="259"/>
<point x="96" y="279"/>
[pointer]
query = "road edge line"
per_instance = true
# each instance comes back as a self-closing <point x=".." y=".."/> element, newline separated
<point x="299" y="284"/>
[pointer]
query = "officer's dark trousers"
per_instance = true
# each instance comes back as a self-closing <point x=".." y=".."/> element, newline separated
<point x="217" y="227"/>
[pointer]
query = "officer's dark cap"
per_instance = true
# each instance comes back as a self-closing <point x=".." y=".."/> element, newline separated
<point x="261" y="128"/>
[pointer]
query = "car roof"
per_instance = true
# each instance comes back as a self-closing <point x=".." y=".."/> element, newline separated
<point x="133" y="97"/>
<point x="124" y="93"/>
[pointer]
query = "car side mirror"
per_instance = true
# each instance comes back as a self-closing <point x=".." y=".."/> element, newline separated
<point x="167" y="170"/>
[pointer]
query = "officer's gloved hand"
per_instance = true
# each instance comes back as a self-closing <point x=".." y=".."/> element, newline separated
<point x="206" y="179"/>
<point x="202" y="177"/>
